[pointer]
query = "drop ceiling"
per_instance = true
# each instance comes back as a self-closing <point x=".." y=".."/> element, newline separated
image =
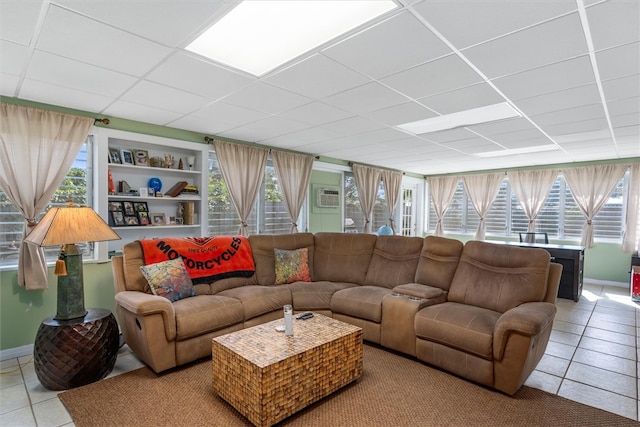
<point x="571" y="68"/>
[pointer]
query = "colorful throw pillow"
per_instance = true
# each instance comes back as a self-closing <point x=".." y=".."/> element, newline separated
<point x="292" y="266"/>
<point x="169" y="279"/>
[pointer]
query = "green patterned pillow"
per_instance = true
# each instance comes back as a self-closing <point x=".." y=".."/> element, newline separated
<point x="169" y="279"/>
<point x="292" y="266"/>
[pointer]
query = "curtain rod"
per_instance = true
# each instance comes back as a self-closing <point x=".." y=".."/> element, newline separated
<point x="104" y="121"/>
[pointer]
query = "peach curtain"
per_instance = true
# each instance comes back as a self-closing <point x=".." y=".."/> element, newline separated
<point x="367" y="182"/>
<point x="591" y="187"/>
<point x="392" y="184"/>
<point x="442" y="189"/>
<point x="294" y="172"/>
<point x="38" y="148"/>
<point x="631" y="239"/>
<point x="532" y="189"/>
<point x="482" y="191"/>
<point x="242" y="168"/>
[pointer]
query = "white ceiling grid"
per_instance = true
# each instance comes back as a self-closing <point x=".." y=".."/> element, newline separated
<point x="344" y="99"/>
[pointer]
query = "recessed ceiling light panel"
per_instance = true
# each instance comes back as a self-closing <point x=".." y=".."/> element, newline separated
<point x="258" y="36"/>
<point x="489" y="113"/>
<point x="516" y="151"/>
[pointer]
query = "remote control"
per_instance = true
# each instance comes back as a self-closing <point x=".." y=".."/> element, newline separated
<point x="304" y="316"/>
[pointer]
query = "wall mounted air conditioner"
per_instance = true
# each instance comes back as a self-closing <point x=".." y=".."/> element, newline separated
<point x="327" y="198"/>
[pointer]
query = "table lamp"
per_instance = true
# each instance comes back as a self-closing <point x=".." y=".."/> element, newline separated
<point x="67" y="226"/>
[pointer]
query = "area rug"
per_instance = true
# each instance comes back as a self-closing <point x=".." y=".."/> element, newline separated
<point x="394" y="390"/>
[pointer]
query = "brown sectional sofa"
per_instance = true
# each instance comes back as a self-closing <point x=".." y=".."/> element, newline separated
<point x="482" y="311"/>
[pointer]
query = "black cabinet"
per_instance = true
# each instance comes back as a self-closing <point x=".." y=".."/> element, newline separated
<point x="572" y="260"/>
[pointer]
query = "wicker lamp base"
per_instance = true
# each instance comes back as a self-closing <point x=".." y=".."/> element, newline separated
<point x="72" y="353"/>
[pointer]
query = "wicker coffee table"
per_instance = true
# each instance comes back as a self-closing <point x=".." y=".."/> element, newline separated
<point x="268" y="376"/>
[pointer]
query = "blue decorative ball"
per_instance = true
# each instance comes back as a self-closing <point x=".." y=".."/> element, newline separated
<point x="385" y="230"/>
<point x="156" y="184"/>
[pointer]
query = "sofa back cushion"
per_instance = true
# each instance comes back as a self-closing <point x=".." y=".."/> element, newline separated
<point x="264" y="245"/>
<point x="342" y="257"/>
<point x="499" y="277"/>
<point x="438" y="261"/>
<point x="393" y="261"/>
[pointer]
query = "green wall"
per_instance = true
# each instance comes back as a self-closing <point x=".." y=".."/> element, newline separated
<point x="21" y="311"/>
<point x="324" y="219"/>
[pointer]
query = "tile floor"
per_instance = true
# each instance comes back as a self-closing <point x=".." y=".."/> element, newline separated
<point x="593" y="358"/>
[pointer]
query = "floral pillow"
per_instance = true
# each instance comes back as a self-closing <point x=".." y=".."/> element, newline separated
<point x="169" y="279"/>
<point x="292" y="266"/>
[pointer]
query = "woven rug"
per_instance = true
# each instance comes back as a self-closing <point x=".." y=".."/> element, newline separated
<point x="393" y="391"/>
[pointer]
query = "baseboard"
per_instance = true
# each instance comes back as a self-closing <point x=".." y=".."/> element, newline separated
<point x="606" y="283"/>
<point x="13" y="353"/>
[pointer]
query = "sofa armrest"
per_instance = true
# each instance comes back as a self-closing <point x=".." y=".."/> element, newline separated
<point x="528" y="319"/>
<point x="142" y="304"/>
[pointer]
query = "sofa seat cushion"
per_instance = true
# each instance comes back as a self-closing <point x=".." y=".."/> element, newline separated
<point x="364" y="302"/>
<point x="460" y="326"/>
<point x="205" y="313"/>
<point x="307" y="296"/>
<point x="258" y="300"/>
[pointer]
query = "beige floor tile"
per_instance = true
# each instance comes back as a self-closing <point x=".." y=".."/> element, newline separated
<point x="553" y="365"/>
<point x="580" y="317"/>
<point x="600" y="378"/>
<point x="125" y="363"/>
<point x="612" y="326"/>
<point x="565" y="337"/>
<point x="605" y="361"/>
<point x="572" y="328"/>
<point x="37" y="392"/>
<point x="621" y="318"/>
<point x="610" y="336"/>
<point x="599" y="398"/>
<point x="568" y="304"/>
<point x="51" y="413"/>
<point x="28" y="370"/>
<point x="544" y="381"/>
<point x="12" y="398"/>
<point x="22" y="417"/>
<point x="608" y="348"/>
<point x="11" y="377"/>
<point x="560" y="350"/>
<point x="617" y="304"/>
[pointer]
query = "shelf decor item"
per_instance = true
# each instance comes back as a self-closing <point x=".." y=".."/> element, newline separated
<point x="155" y="183"/>
<point x="157" y="218"/>
<point x="141" y="157"/>
<point x="176" y="189"/>
<point x="76" y="347"/>
<point x="127" y="157"/>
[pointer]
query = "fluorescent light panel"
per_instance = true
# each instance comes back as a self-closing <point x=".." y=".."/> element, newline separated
<point x="489" y="113"/>
<point x="515" y="151"/>
<point x="258" y="36"/>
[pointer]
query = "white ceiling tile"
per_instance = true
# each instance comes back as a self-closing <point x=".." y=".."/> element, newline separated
<point x="8" y="84"/>
<point x="466" y="98"/>
<point x="619" y="61"/>
<point x="52" y="94"/>
<point x="267" y="128"/>
<point x="402" y="113"/>
<point x="193" y="74"/>
<point x="302" y="138"/>
<point x="623" y="120"/>
<point x="376" y="54"/>
<point x="624" y="106"/>
<point x="198" y="124"/>
<point x="13" y="57"/>
<point x="622" y="88"/>
<point x="317" y="77"/>
<point x="464" y="23"/>
<point x="316" y="113"/>
<point x="164" y="98"/>
<point x="370" y="97"/>
<point x="535" y="140"/>
<point x="352" y="126"/>
<point x="18" y="20"/>
<point x="441" y="75"/>
<point x="473" y="146"/>
<point x="449" y="135"/>
<point x="68" y="34"/>
<point x="576" y="127"/>
<point x="547" y="79"/>
<point x="60" y="71"/>
<point x="226" y="116"/>
<point x="561" y="100"/>
<point x="266" y="98"/>
<point x="141" y="113"/>
<point x="167" y="22"/>
<point x="533" y="47"/>
<point x="614" y="22"/>
<point x="586" y="112"/>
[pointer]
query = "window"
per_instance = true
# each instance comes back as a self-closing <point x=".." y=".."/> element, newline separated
<point x="353" y="216"/>
<point x="76" y="187"/>
<point x="560" y="217"/>
<point x="268" y="216"/>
